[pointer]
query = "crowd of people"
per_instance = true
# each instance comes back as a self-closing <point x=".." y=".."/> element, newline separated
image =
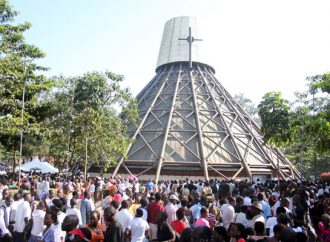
<point x="54" y="209"/>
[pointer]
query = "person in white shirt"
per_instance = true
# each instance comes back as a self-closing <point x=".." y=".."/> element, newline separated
<point x="5" y="211"/>
<point x="127" y="184"/>
<point x="195" y="212"/>
<point x="138" y="227"/>
<point x="121" y="186"/>
<point x="50" y="197"/>
<point x="216" y="201"/>
<point x="320" y="191"/>
<point x="23" y="215"/>
<point x="256" y="210"/>
<point x="92" y="188"/>
<point x="38" y="227"/>
<point x="275" y="194"/>
<point x="240" y="217"/>
<point x="231" y="186"/>
<point x="170" y="208"/>
<point x="43" y="188"/>
<point x="74" y="210"/>
<point x="163" y="186"/>
<point x="127" y="194"/>
<point x="58" y="204"/>
<point x="124" y="216"/>
<point x="247" y="199"/>
<point x="76" y="195"/>
<point x="143" y="207"/>
<point x="200" y="188"/>
<point x="37" y="183"/>
<point x="14" y="205"/>
<point x="276" y="205"/>
<point x="284" y="202"/>
<point x="136" y="187"/>
<point x="228" y="212"/>
<point x="98" y="190"/>
<point x="272" y="221"/>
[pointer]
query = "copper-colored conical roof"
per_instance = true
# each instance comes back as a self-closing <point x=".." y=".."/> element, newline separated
<point x="191" y="126"/>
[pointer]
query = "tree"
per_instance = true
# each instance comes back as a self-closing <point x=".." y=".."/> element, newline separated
<point x="274" y="115"/>
<point x="309" y="125"/>
<point x="248" y="106"/>
<point x="18" y="71"/>
<point x="319" y="127"/>
<point x="301" y="145"/>
<point x="84" y="121"/>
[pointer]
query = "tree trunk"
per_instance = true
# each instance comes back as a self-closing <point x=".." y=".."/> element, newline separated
<point x="14" y="165"/>
<point x="72" y="154"/>
<point x="314" y="163"/>
<point x="85" y="173"/>
<point x="278" y="166"/>
<point x="67" y="167"/>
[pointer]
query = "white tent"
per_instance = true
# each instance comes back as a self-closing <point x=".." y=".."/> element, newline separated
<point x="37" y="165"/>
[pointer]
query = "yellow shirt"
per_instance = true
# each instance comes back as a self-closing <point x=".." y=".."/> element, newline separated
<point x="133" y="208"/>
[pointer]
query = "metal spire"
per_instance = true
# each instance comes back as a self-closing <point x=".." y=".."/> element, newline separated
<point x="190" y="40"/>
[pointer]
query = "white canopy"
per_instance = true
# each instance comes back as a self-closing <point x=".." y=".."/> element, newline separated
<point x="39" y="166"/>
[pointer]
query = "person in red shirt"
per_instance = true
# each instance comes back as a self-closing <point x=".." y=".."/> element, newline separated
<point x="324" y="228"/>
<point x="154" y="209"/>
<point x="179" y="225"/>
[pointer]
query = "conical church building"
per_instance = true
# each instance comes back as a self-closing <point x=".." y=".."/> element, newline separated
<point x="190" y="126"/>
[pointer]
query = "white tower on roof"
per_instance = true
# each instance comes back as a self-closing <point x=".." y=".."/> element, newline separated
<point x="172" y="49"/>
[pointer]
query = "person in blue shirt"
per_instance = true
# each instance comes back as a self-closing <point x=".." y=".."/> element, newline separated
<point x="51" y="233"/>
<point x="266" y="213"/>
<point x="196" y="209"/>
<point x="150" y="186"/>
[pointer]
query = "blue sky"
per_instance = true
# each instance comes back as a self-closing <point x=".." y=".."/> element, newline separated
<point x="255" y="46"/>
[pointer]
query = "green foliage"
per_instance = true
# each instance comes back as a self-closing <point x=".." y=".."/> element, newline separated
<point x="309" y="125"/>
<point x="18" y="70"/>
<point x="319" y="127"/>
<point x="248" y="106"/>
<point x="320" y="82"/>
<point x="311" y="115"/>
<point x="84" y="108"/>
<point x="274" y="115"/>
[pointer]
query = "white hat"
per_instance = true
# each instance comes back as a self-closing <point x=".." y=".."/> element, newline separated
<point x="174" y="197"/>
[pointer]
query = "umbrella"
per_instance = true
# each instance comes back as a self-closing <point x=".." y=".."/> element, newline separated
<point x="132" y="177"/>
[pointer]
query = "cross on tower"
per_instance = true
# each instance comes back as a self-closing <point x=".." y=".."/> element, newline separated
<point x="190" y="40"/>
